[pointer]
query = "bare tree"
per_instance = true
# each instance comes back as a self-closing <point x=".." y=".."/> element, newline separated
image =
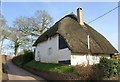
<point x="35" y="25"/>
<point x="43" y="19"/>
<point x="3" y="31"/>
<point x="18" y="38"/>
<point x="2" y="37"/>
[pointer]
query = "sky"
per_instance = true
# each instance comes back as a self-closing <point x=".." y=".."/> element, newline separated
<point x="107" y="25"/>
<point x="60" y="0"/>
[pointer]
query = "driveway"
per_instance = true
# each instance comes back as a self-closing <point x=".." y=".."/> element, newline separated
<point x="16" y="73"/>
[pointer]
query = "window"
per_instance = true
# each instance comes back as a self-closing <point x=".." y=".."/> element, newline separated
<point x="94" y="57"/>
<point x="65" y="62"/>
<point x="62" y="43"/>
<point x="49" y="51"/>
<point x="38" y="56"/>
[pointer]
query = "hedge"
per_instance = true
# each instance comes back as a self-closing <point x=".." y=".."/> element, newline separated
<point x="24" y="58"/>
<point x="111" y="67"/>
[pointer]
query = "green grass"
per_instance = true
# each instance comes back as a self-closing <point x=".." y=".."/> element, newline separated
<point x="59" y="68"/>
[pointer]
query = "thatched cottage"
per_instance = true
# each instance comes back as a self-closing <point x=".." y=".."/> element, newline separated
<point x="72" y="41"/>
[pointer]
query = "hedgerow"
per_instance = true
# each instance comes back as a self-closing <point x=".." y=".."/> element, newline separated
<point x="111" y="66"/>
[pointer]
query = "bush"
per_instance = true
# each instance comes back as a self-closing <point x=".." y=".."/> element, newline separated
<point x="111" y="66"/>
<point x="24" y="58"/>
<point x="83" y="71"/>
<point x="17" y="60"/>
<point x="27" y="56"/>
<point x="89" y="72"/>
<point x="97" y="73"/>
<point x="107" y="68"/>
<point x="116" y="56"/>
<point x="118" y="67"/>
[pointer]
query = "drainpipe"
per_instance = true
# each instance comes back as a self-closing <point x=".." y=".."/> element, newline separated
<point x="87" y="56"/>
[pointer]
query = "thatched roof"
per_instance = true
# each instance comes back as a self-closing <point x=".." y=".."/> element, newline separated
<point x="75" y="36"/>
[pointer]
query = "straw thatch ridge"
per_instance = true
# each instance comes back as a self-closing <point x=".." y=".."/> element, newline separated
<point x="75" y="36"/>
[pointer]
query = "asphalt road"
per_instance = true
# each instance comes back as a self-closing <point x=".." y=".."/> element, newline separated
<point x="16" y="73"/>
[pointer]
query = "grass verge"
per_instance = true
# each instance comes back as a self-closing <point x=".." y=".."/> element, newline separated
<point x="50" y="67"/>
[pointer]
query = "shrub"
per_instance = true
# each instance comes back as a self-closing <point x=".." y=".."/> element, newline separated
<point x="97" y="73"/>
<point x="118" y="67"/>
<point x="107" y="68"/>
<point x="111" y="66"/>
<point x="93" y="72"/>
<point x="83" y="71"/>
<point x="17" y="60"/>
<point x="27" y="56"/>
<point x="116" y="56"/>
<point x="24" y="58"/>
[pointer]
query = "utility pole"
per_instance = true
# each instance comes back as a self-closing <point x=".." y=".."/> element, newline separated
<point x="0" y="43"/>
<point x="0" y="65"/>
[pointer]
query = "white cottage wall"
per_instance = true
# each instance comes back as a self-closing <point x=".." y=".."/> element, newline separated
<point x="64" y="54"/>
<point x="48" y="51"/>
<point x="83" y="59"/>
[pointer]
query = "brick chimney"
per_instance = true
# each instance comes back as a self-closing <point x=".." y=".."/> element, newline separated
<point x="80" y="16"/>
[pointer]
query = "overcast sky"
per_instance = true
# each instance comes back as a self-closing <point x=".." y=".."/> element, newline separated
<point x="107" y="25"/>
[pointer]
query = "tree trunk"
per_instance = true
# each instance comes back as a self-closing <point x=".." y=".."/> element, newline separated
<point x="16" y="46"/>
<point x="43" y="27"/>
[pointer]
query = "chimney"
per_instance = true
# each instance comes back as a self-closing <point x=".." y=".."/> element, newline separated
<point x="80" y="16"/>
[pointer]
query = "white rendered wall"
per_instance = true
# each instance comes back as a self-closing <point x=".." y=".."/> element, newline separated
<point x="83" y="59"/>
<point x="64" y="54"/>
<point x="54" y="54"/>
